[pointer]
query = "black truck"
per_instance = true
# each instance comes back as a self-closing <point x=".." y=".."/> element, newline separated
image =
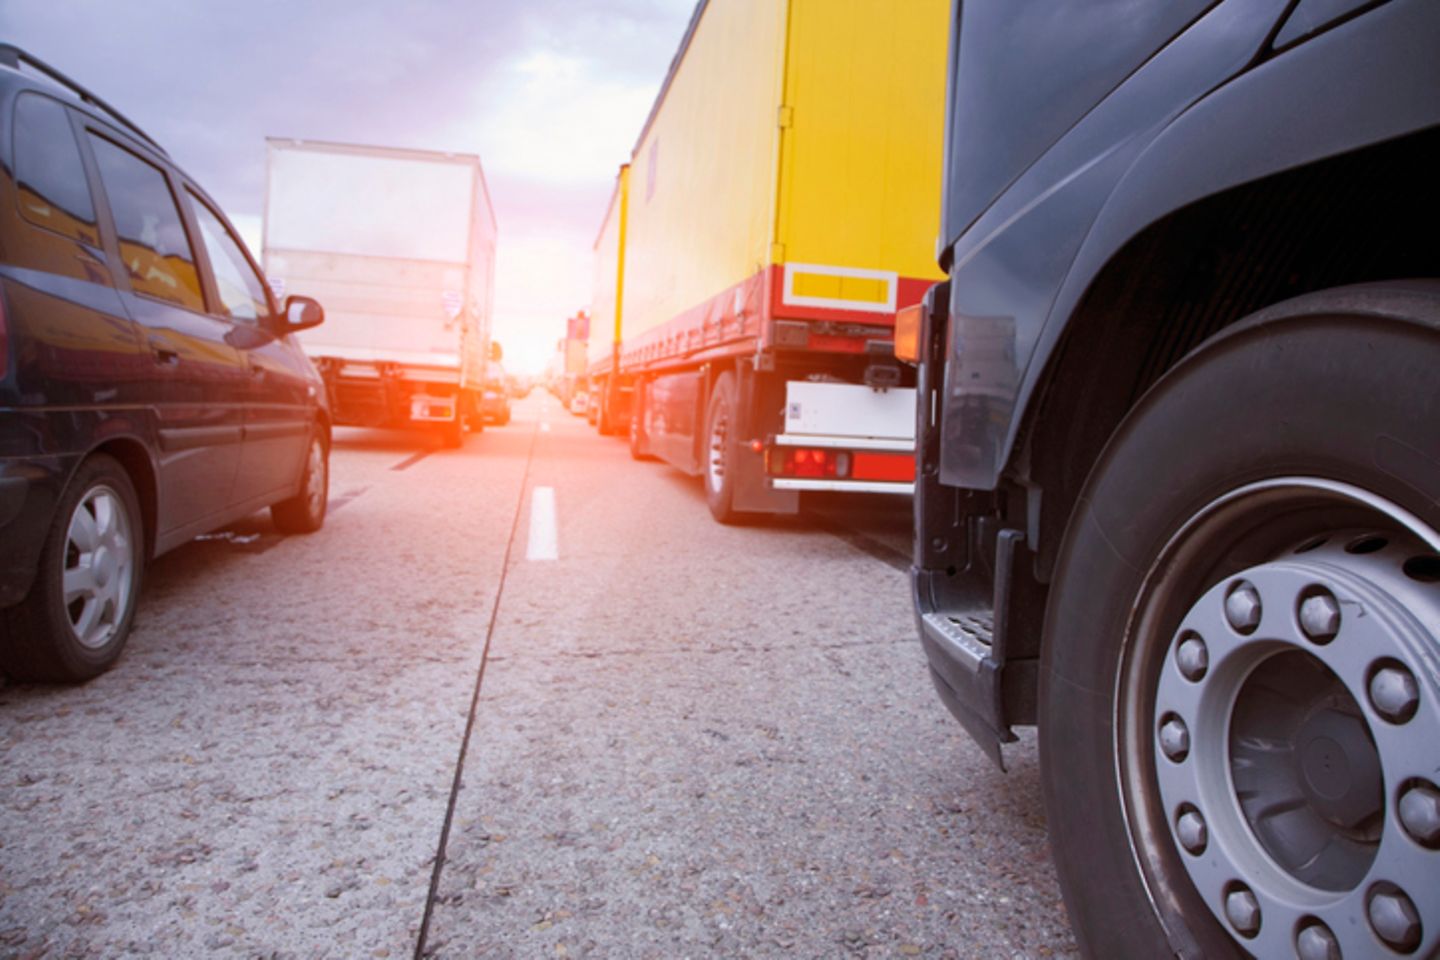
<point x="1178" y="487"/>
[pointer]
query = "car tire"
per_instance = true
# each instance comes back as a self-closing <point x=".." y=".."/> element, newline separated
<point x="718" y="450"/>
<point x="305" y="512"/>
<point x="1295" y="431"/>
<point x="98" y="527"/>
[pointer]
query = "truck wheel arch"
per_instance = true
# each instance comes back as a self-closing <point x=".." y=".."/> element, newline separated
<point x="1210" y="152"/>
<point x="1173" y="284"/>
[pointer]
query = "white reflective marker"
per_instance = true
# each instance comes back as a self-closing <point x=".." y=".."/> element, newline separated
<point x="543" y="545"/>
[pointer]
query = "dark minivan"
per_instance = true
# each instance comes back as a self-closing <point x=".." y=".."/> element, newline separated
<point x="150" y="389"/>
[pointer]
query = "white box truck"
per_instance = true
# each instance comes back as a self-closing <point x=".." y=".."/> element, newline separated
<point x="399" y="247"/>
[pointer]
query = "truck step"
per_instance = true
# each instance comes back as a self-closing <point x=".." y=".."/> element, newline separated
<point x="968" y="630"/>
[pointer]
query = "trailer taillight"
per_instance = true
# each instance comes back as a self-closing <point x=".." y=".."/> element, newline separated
<point x="811" y="463"/>
<point x="907" y="333"/>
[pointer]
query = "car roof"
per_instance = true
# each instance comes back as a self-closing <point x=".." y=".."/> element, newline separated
<point x="39" y="75"/>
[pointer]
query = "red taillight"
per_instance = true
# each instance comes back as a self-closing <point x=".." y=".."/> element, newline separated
<point x="810" y="463"/>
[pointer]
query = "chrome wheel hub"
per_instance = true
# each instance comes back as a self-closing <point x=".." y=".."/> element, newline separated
<point x="1296" y="742"/>
<point x="99" y="567"/>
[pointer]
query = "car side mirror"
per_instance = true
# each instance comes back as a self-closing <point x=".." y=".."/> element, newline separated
<point x="302" y="313"/>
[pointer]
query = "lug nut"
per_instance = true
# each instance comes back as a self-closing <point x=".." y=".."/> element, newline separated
<point x="1394" y="693"/>
<point x="1320" y="616"/>
<point x="1243" y="911"/>
<point x="1190" y="828"/>
<point x="1242" y="607"/>
<point x="1420" y="814"/>
<point x="1175" y="739"/>
<point x="1193" y="658"/>
<point x="1316" y="942"/>
<point x="1395" y="920"/>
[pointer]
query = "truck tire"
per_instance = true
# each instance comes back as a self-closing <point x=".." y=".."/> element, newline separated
<point x="639" y="448"/>
<point x="305" y="512"/>
<point x="1239" y="699"/>
<point x="74" y="622"/>
<point x="474" y="418"/>
<point x="452" y="432"/>
<point x="718" y="450"/>
<point x="605" y="422"/>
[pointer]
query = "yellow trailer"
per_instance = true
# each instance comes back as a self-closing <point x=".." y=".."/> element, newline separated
<point x="779" y="206"/>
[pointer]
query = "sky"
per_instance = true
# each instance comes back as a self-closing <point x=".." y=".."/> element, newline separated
<point x="550" y="93"/>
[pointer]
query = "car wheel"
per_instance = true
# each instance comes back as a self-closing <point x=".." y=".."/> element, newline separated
<point x="77" y="616"/>
<point x="719" y="451"/>
<point x="1239" y="698"/>
<point x="305" y="512"/>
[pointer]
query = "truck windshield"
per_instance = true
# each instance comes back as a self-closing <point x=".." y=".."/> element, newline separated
<point x="368" y="205"/>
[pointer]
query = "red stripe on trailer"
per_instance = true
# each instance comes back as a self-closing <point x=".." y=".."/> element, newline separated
<point x="898" y="467"/>
<point x="716" y="323"/>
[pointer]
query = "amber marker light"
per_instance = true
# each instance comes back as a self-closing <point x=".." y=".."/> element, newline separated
<point x="907" y="333"/>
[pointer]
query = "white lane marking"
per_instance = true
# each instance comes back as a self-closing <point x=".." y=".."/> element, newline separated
<point x="543" y="544"/>
<point x="544" y="427"/>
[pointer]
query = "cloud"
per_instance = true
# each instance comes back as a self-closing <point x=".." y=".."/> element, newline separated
<point x="550" y="93"/>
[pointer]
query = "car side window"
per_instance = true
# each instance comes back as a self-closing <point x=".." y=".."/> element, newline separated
<point x="242" y="295"/>
<point x="153" y="242"/>
<point x="54" y="192"/>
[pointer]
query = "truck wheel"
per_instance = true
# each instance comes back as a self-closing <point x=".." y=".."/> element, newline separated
<point x="452" y="432"/>
<point x="1239" y="695"/>
<point x="77" y="616"/>
<point x="605" y="423"/>
<point x="470" y="405"/>
<point x="719" y="450"/>
<point x="639" y="449"/>
<point x="305" y="512"/>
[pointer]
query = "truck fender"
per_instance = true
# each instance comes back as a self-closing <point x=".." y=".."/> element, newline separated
<point x="1369" y="80"/>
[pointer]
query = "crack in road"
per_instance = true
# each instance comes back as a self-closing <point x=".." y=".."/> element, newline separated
<point x="708" y="651"/>
<point x="433" y="896"/>
<point x="413" y="459"/>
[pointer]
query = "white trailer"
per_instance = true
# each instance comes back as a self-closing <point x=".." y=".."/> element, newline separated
<point x="399" y="247"/>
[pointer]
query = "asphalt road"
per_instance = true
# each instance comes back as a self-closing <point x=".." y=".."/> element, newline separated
<point x="689" y="740"/>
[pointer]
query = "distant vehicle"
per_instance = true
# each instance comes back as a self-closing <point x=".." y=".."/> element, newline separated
<point x="150" y="386"/>
<point x="495" y="404"/>
<point x="1179" y="437"/>
<point x="400" y="247"/>
<point x="579" y="402"/>
<point x="778" y="208"/>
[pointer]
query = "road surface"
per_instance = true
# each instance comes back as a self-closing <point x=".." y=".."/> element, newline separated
<point x="689" y="740"/>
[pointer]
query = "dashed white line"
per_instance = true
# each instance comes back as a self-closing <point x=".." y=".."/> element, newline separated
<point x="543" y="544"/>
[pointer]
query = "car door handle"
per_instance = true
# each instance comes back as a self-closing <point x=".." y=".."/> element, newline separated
<point x="257" y="371"/>
<point x="164" y="356"/>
